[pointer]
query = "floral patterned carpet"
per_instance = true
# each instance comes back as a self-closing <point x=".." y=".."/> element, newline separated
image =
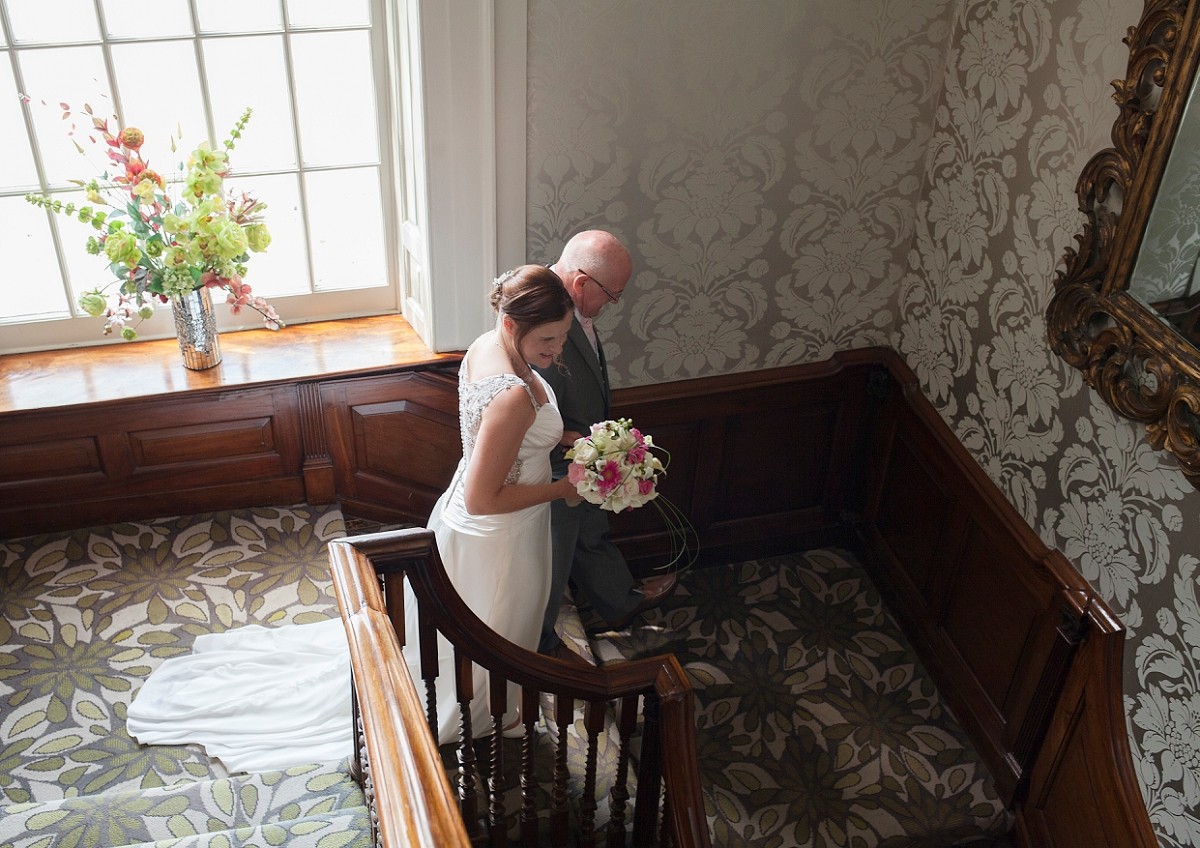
<point x="817" y="726"/>
<point x="86" y="615"/>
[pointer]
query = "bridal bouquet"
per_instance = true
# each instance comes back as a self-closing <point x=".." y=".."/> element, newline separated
<point x="614" y="466"/>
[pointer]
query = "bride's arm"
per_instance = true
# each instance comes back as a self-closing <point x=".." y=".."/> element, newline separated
<point x="505" y="421"/>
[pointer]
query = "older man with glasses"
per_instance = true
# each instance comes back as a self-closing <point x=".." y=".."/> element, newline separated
<point x="594" y="267"/>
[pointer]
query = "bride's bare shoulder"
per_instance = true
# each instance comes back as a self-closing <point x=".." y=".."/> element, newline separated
<point x="485" y="358"/>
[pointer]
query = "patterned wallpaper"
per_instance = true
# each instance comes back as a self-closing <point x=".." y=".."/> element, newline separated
<point x="795" y="179"/>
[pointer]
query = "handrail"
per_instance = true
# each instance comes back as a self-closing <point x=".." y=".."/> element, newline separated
<point x="403" y="759"/>
<point x="412" y="801"/>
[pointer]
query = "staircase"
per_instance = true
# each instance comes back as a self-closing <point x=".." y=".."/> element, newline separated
<point x="816" y="724"/>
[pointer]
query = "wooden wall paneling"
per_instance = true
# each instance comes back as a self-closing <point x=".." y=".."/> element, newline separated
<point x="149" y="458"/>
<point x="1082" y="791"/>
<point x="394" y="441"/>
<point x="911" y="509"/>
<point x="765" y="456"/>
<point x="985" y="602"/>
<point x="993" y="631"/>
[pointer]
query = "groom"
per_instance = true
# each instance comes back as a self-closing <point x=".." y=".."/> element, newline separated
<point x="594" y="267"/>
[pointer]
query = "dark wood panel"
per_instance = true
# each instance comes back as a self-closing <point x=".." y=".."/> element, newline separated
<point x="151" y="458"/>
<point x="1076" y="798"/>
<point x="394" y="442"/>
<point x="56" y="459"/>
<point x="776" y="460"/>
<point x="987" y="618"/>
<point x="208" y="442"/>
<point x="909" y="493"/>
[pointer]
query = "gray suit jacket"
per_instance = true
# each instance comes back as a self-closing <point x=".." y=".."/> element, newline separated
<point x="581" y="385"/>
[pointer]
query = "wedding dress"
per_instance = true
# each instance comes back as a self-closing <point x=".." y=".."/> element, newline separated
<point x="500" y="564"/>
<point x="265" y="698"/>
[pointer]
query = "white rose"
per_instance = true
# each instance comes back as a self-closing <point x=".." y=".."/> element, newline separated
<point x="585" y="452"/>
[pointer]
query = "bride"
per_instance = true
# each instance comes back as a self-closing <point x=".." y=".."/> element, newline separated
<point x="493" y="524"/>
<point x="265" y="698"/>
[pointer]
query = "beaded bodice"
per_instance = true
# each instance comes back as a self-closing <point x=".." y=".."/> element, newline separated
<point x="473" y="399"/>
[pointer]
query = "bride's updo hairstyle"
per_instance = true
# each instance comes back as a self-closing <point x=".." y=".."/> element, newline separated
<point x="531" y="295"/>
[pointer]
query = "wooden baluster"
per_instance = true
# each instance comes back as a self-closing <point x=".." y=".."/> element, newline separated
<point x="427" y="642"/>
<point x="594" y="715"/>
<point x="494" y="769"/>
<point x="618" y="803"/>
<point x="468" y="770"/>
<point x="649" y="784"/>
<point x="530" y="699"/>
<point x="560" y="808"/>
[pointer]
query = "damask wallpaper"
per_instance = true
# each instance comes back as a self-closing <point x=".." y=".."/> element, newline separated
<point x="797" y="178"/>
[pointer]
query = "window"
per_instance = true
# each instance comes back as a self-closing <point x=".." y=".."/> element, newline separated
<point x="394" y="203"/>
<point x="319" y="148"/>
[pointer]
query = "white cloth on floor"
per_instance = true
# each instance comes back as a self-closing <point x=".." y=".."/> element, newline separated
<point x="256" y="698"/>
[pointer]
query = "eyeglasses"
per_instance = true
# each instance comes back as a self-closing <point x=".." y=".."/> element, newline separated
<point x="613" y="297"/>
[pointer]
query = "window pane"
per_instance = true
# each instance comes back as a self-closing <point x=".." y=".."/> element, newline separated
<point x="124" y="19"/>
<point x="239" y="16"/>
<point x="267" y="143"/>
<point x="335" y="95"/>
<point x="75" y="76"/>
<point x="347" y="239"/>
<point x="30" y="285"/>
<point x="283" y="267"/>
<point x="322" y="13"/>
<point x="58" y="22"/>
<point x="16" y="165"/>
<point x="162" y="105"/>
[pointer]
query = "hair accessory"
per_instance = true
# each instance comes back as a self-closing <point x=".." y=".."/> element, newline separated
<point x="499" y="281"/>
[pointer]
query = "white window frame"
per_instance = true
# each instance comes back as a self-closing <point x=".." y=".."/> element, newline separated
<point x="467" y="60"/>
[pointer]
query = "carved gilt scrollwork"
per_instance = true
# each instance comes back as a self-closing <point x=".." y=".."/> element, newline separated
<point x="1126" y="352"/>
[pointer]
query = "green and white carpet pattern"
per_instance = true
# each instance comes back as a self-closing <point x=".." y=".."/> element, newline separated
<point x="816" y="724"/>
<point x="86" y="615"/>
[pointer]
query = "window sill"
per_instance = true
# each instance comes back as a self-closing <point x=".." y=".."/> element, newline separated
<point x="88" y="375"/>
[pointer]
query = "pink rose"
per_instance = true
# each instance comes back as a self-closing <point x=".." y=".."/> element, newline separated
<point x="645" y="487"/>
<point x="576" y="473"/>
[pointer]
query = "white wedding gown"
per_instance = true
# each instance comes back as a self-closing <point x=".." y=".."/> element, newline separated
<point x="260" y="698"/>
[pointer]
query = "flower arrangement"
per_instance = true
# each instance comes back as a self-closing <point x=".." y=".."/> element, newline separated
<point x="615" y="467"/>
<point x="159" y="246"/>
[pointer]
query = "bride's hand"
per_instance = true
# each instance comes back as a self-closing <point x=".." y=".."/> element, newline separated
<point x="569" y="493"/>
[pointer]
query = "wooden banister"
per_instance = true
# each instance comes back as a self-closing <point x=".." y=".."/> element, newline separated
<point x="387" y="694"/>
<point x="407" y="789"/>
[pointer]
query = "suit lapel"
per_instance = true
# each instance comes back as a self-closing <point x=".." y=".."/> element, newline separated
<point x="583" y="347"/>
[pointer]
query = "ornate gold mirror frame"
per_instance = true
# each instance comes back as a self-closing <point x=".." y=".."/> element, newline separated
<point x="1127" y="352"/>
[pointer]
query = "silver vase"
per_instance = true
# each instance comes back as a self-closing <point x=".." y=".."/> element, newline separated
<point x="196" y="329"/>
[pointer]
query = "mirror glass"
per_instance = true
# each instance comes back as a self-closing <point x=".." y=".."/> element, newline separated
<point x="1166" y="275"/>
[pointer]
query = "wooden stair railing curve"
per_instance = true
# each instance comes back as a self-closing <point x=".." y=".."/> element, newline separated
<point x="407" y="788"/>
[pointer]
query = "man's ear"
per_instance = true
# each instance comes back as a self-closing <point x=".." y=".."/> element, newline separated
<point x="575" y="282"/>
